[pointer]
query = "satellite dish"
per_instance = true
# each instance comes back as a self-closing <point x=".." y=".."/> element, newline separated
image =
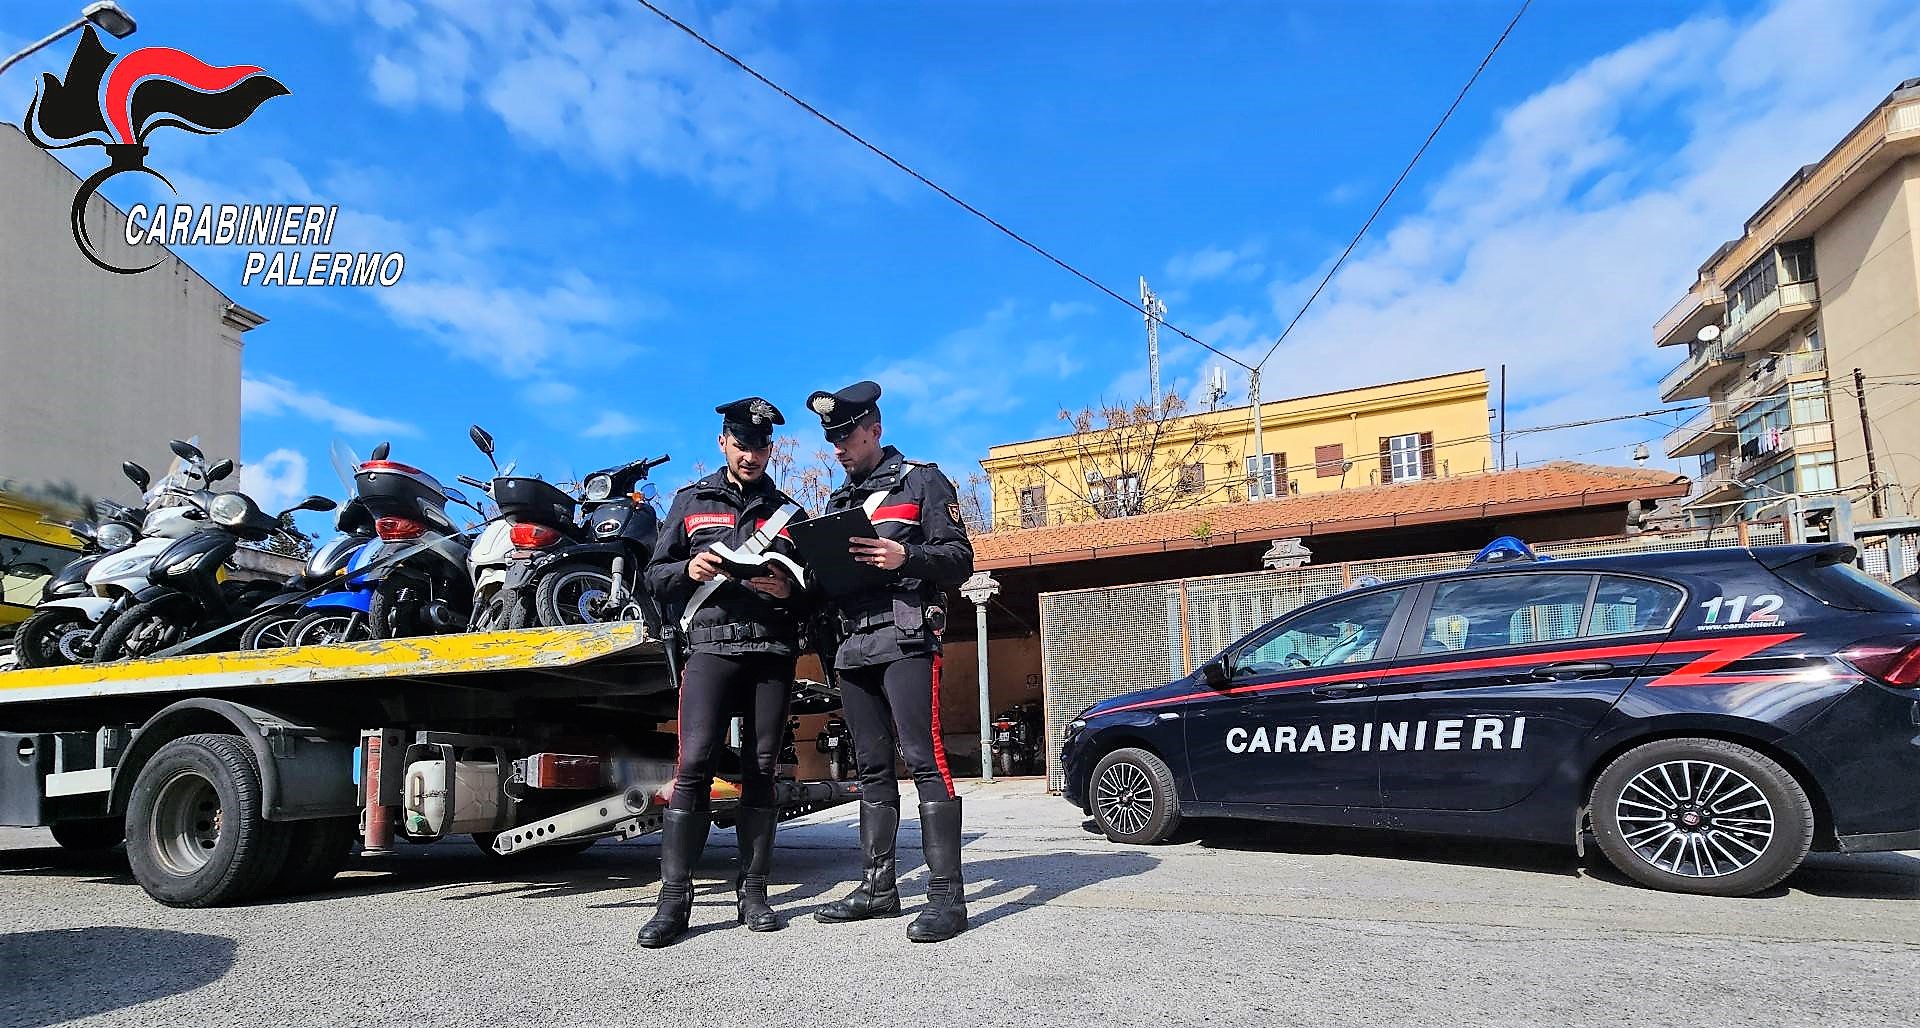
<point x="1708" y="333"/>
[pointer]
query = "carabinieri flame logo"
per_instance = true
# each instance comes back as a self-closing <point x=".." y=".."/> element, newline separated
<point x="147" y="89"/>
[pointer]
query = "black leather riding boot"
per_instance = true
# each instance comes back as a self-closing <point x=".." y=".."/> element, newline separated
<point x="945" y="915"/>
<point x="754" y="826"/>
<point x="877" y="895"/>
<point x="682" y="837"/>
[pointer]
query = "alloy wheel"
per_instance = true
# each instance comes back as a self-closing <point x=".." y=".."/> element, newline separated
<point x="1695" y="818"/>
<point x="1124" y="797"/>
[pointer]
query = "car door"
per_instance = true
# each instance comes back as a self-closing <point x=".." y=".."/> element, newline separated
<point x="1501" y="674"/>
<point x="1285" y="726"/>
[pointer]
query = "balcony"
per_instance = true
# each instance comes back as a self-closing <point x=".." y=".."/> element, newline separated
<point x="1765" y="377"/>
<point x="1703" y="432"/>
<point x="1702" y="369"/>
<point x="1701" y="306"/>
<point x="1762" y="325"/>
<point x="1716" y="486"/>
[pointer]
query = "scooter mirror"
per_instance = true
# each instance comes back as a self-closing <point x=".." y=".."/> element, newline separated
<point x="220" y="470"/>
<point x="185" y="450"/>
<point x="380" y="452"/>
<point x="136" y="474"/>
<point x="458" y="497"/>
<point x="316" y="502"/>
<point x="482" y="439"/>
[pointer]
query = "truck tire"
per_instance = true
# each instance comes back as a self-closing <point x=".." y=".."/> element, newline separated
<point x="143" y="630"/>
<point x="316" y="851"/>
<point x="1133" y="796"/>
<point x="55" y="637"/>
<point x="94" y="833"/>
<point x="196" y="834"/>
<point x="1702" y="816"/>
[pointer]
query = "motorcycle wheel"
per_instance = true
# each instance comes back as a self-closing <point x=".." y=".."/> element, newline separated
<point x="572" y="593"/>
<point x="503" y="610"/>
<point x="328" y="626"/>
<point x="144" y="630"/>
<point x="387" y="617"/>
<point x="270" y="632"/>
<point x="54" y="637"/>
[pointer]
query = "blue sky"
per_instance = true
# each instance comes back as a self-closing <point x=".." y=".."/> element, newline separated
<point x="608" y="230"/>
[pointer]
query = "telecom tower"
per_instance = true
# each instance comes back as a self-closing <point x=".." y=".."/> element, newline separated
<point x="1154" y="311"/>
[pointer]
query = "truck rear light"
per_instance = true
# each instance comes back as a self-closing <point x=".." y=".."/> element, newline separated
<point x="560" y="771"/>
<point x="391" y="528"/>
<point x="1893" y="660"/>
<point x="528" y="536"/>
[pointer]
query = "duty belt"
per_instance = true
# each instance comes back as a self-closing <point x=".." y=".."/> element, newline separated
<point x="850" y="625"/>
<point x="738" y="631"/>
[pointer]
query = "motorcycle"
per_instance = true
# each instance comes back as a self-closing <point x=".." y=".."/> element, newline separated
<point x="188" y="593"/>
<point x="560" y="571"/>
<point x="297" y="617"/>
<point x="836" y="742"/>
<point x="1016" y="740"/>
<point x="56" y="636"/>
<point x="175" y="508"/>
<point x="419" y="585"/>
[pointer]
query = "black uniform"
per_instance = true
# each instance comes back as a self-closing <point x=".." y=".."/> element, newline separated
<point x="889" y="655"/>
<point x="742" y="642"/>
<point x="889" y="664"/>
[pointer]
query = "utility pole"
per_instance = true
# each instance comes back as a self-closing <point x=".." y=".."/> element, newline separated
<point x="1866" y="435"/>
<point x="1259" y="438"/>
<point x="1154" y="310"/>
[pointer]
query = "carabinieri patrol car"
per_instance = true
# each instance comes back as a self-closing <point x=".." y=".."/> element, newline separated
<point x="1709" y="716"/>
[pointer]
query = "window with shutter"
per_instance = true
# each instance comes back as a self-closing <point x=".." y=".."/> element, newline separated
<point x="1193" y="478"/>
<point x="1033" y="506"/>
<point x="1329" y="461"/>
<point x="1428" y="469"/>
<point x="1407" y="458"/>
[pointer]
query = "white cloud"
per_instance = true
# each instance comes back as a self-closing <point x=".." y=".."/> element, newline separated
<point x="1060" y="311"/>
<point x="1568" y="231"/>
<point x="550" y="393"/>
<point x="612" y="425"/>
<point x="1214" y="262"/>
<point x="269" y="396"/>
<point x="276" y="481"/>
<point x="616" y="85"/>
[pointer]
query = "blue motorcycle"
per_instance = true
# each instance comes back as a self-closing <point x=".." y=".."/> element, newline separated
<point x="337" y="617"/>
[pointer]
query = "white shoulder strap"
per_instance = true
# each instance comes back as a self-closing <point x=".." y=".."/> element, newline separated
<point x="754" y="546"/>
<point x="872" y="503"/>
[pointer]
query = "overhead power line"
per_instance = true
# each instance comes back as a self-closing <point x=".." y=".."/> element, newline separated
<point x="1404" y="172"/>
<point x="929" y="183"/>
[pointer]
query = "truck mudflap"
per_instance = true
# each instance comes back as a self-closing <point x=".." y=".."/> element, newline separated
<point x="638" y="811"/>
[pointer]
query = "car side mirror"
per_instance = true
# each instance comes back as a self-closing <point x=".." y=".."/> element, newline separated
<point x="136" y="474"/>
<point x="1214" y="673"/>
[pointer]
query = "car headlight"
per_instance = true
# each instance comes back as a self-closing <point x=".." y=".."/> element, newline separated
<point x="113" y="536"/>
<point x="229" y="509"/>
<point x="599" y="487"/>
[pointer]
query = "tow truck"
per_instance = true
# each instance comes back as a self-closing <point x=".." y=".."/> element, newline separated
<point x="242" y="776"/>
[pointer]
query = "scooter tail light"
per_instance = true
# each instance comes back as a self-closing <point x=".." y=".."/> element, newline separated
<point x="391" y="528"/>
<point x="1892" y="660"/>
<point x="528" y="536"/>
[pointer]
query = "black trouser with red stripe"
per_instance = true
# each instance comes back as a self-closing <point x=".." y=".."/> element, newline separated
<point x="897" y="702"/>
<point x="757" y="687"/>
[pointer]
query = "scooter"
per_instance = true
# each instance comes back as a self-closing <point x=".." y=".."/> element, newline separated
<point x="297" y="601"/>
<point x="175" y="508"/>
<point x="836" y="742"/>
<point x="1016" y="740"/>
<point x="419" y="575"/>
<point x="55" y="636"/>
<point x="188" y="593"/>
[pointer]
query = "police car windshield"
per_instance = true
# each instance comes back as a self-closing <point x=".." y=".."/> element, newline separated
<point x="1343" y="632"/>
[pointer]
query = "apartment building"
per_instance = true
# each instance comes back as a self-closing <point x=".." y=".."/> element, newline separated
<point x="1802" y="336"/>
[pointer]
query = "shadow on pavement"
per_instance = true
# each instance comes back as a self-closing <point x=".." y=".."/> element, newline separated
<point x="1261" y="836"/>
<point x="58" y="976"/>
<point x="110" y="865"/>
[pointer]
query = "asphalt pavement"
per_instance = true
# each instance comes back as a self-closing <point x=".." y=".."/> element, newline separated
<point x="1231" y="924"/>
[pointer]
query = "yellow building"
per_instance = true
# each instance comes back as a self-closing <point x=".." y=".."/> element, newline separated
<point x="1132" y="462"/>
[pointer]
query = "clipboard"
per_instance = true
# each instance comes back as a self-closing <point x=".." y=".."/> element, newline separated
<point x="822" y="543"/>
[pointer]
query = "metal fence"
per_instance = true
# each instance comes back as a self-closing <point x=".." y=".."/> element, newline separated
<point x="1099" y="643"/>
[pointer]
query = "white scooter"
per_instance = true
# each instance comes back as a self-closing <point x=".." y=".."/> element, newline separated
<point x="177" y="508"/>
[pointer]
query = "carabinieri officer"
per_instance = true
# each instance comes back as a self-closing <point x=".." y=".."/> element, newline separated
<point x="889" y="659"/>
<point x="742" y="635"/>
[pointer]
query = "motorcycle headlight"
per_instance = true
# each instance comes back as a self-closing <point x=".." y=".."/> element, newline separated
<point x="123" y="567"/>
<point x="188" y="565"/>
<point x="113" y="536"/>
<point x="599" y="487"/>
<point x="229" y="509"/>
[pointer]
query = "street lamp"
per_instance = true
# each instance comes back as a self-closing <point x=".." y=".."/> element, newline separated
<point x="107" y="16"/>
<point x="978" y="590"/>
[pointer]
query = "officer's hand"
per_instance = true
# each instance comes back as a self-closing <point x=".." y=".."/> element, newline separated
<point x="774" y="585"/>
<point x="704" y="567"/>
<point x="881" y="553"/>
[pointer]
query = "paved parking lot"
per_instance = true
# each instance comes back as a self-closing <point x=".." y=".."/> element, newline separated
<point x="1233" y="924"/>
